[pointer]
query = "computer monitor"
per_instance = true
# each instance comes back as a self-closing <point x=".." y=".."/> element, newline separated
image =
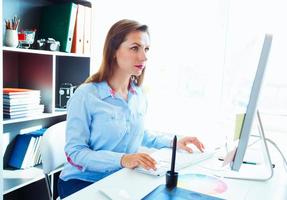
<point x="251" y="114"/>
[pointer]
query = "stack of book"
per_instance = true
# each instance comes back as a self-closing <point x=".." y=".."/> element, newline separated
<point x="19" y="102"/>
<point x="26" y="151"/>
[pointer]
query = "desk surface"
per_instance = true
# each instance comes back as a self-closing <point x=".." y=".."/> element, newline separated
<point x="133" y="185"/>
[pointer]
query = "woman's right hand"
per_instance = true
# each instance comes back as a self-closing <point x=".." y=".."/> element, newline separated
<point x="138" y="159"/>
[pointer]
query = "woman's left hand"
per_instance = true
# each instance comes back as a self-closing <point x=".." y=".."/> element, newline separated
<point x="182" y="144"/>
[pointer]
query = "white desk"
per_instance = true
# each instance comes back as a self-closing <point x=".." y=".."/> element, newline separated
<point x="138" y="185"/>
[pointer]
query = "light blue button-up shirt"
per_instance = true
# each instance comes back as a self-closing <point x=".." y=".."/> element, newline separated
<point x="101" y="128"/>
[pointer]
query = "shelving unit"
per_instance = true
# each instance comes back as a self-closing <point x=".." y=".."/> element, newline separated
<point x="16" y="179"/>
<point x="1" y="109"/>
<point x="34" y="69"/>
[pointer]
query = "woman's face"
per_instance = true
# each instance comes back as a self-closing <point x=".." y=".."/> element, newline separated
<point x="132" y="54"/>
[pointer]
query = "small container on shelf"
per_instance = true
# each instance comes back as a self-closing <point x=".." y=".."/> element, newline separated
<point x="11" y="35"/>
<point x="26" y="38"/>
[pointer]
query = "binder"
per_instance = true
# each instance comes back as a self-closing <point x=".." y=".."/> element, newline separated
<point x="87" y="30"/>
<point x="29" y="153"/>
<point x="58" y="22"/>
<point x="36" y="150"/>
<point x="78" y="38"/>
<point x="26" y="149"/>
<point x="19" y="151"/>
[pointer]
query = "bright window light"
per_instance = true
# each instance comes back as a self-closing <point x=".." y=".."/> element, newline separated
<point x="194" y="58"/>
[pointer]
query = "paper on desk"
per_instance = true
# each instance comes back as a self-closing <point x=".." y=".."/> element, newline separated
<point x="209" y="184"/>
<point x="115" y="194"/>
<point x="229" y="157"/>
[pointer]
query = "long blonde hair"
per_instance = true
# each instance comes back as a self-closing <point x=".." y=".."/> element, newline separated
<point x="115" y="37"/>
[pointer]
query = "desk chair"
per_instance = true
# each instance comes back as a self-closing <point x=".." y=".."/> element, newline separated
<point x="52" y="152"/>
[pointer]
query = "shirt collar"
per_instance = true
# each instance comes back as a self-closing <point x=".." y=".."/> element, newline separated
<point x="104" y="90"/>
<point x="133" y="88"/>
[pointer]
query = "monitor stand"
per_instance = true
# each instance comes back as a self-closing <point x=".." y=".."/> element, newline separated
<point x="255" y="172"/>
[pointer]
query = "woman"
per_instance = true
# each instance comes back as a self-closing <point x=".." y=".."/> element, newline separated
<point x="105" y="115"/>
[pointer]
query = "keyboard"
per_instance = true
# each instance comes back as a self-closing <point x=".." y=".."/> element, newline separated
<point x="183" y="159"/>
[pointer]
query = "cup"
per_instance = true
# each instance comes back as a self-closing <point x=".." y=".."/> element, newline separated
<point x="171" y="179"/>
<point x="11" y="38"/>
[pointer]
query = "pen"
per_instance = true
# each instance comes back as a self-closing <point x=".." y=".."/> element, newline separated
<point x="244" y="162"/>
<point x="249" y="163"/>
<point x="172" y="176"/>
<point x="173" y="154"/>
<point x="254" y="163"/>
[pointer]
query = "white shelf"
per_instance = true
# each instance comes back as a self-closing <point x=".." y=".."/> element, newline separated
<point x="41" y="116"/>
<point x="15" y="179"/>
<point x="35" y="69"/>
<point x="44" y="52"/>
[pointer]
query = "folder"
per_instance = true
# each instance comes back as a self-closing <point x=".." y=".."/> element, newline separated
<point x="34" y="160"/>
<point x="78" y="37"/>
<point x="25" y="149"/>
<point x="58" y="22"/>
<point x="20" y="149"/>
<point x="87" y="32"/>
<point x="29" y="153"/>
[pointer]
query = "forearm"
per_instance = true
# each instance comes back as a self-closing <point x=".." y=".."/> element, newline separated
<point x="156" y="141"/>
<point x="101" y="161"/>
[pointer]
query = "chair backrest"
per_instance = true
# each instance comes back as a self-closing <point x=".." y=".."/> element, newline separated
<point x="52" y="147"/>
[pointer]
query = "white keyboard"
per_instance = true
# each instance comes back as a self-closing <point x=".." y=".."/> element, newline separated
<point x="183" y="159"/>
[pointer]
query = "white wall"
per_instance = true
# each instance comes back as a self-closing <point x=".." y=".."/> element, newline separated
<point x="184" y="74"/>
<point x="198" y="53"/>
<point x="246" y="20"/>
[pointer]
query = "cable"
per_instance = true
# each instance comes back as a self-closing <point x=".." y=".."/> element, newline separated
<point x="278" y="149"/>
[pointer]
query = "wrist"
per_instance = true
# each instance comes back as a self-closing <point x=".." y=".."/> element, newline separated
<point x="122" y="160"/>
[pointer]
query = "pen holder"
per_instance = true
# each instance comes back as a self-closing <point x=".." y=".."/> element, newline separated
<point x="171" y="179"/>
<point x="11" y="38"/>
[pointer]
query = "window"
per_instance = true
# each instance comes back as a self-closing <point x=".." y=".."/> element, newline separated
<point x="192" y="43"/>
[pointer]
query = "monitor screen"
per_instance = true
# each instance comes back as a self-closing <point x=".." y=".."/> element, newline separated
<point x="251" y="109"/>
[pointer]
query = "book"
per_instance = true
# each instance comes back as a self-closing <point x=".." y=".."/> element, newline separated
<point x="36" y="157"/>
<point x="30" y="114"/>
<point x="58" y="22"/>
<point x="22" y="101"/>
<point x="17" y="113"/>
<point x="20" y="96"/>
<point x="36" y="150"/>
<point x="29" y="153"/>
<point x="22" y="108"/>
<point x="20" y="91"/>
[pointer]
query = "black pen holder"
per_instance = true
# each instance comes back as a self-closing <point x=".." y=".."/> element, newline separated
<point x="171" y="179"/>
